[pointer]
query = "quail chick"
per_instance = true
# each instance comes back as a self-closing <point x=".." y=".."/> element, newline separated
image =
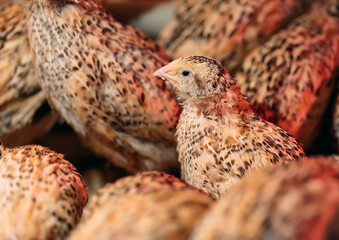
<point x="288" y="79"/>
<point x="296" y="201"/>
<point x="150" y="205"/>
<point x="219" y="136"/>
<point x="141" y="183"/>
<point x="20" y="94"/>
<point x="97" y="73"/>
<point x="225" y="29"/>
<point x="41" y="194"/>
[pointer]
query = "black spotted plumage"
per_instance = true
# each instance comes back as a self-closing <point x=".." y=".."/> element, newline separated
<point x="149" y="205"/>
<point x="97" y="73"/>
<point x="289" y="79"/>
<point x="20" y="94"/>
<point x="226" y="29"/>
<point x="41" y="194"/>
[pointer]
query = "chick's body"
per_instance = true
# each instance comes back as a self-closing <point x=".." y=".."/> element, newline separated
<point x="298" y="201"/>
<point x="225" y="29"/>
<point x="20" y="94"/>
<point x="288" y="78"/>
<point x="97" y="73"/>
<point x="141" y="183"/>
<point x="41" y="194"/>
<point x="219" y="137"/>
<point x="149" y="205"/>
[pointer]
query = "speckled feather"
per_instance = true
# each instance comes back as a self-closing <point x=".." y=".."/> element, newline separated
<point x="97" y="73"/>
<point x="219" y="137"/>
<point x="297" y="201"/>
<point x="141" y="183"/>
<point x="17" y="71"/>
<point x="150" y="205"/>
<point x="42" y="196"/>
<point x="20" y="94"/>
<point x="225" y="29"/>
<point x="288" y="79"/>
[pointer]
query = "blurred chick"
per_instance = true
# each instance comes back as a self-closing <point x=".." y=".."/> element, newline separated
<point x="298" y="201"/>
<point x="143" y="182"/>
<point x="219" y="137"/>
<point x="41" y="194"/>
<point x="97" y="73"/>
<point x="319" y="157"/>
<point x="225" y="30"/>
<point x="289" y="78"/>
<point x="149" y="205"/>
<point x="20" y="94"/>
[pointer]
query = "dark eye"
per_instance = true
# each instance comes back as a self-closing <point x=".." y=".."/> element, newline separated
<point x="185" y="73"/>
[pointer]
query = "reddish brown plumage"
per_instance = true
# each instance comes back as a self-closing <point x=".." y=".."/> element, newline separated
<point x="149" y="205"/>
<point x="20" y="94"/>
<point x="296" y="201"/>
<point x="97" y="73"/>
<point x="289" y="78"/>
<point x="226" y="30"/>
<point x="41" y="194"/>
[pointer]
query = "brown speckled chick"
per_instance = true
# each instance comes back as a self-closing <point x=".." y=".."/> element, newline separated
<point x="143" y="182"/>
<point x="20" y="94"/>
<point x="298" y="201"/>
<point x="225" y="29"/>
<point x="41" y="194"/>
<point x="219" y="137"/>
<point x="288" y="79"/>
<point x="98" y="74"/>
<point x="149" y="205"/>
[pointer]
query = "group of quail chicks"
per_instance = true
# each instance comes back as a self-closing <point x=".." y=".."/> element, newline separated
<point x="231" y="96"/>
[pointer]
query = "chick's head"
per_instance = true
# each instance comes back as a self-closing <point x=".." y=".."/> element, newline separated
<point x="196" y="77"/>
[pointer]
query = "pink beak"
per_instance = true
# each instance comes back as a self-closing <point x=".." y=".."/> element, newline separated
<point x="163" y="73"/>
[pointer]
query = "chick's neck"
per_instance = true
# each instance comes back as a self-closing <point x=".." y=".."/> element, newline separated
<point x="229" y="103"/>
